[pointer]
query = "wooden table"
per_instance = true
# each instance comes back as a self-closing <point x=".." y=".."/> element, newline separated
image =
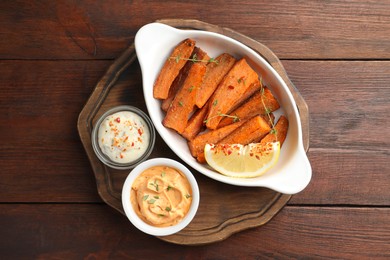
<point x="53" y="53"/>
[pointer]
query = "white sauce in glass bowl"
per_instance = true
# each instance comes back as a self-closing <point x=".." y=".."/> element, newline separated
<point x="123" y="136"/>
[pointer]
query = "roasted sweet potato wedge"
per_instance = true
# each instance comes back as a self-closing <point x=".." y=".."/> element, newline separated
<point x="197" y="144"/>
<point x="260" y="103"/>
<point x="172" y="67"/>
<point x="248" y="93"/>
<point x="231" y="88"/>
<point x="195" y="123"/>
<point x="184" y="102"/>
<point x="197" y="54"/>
<point x="215" y="72"/>
<point x="280" y="132"/>
<point x="176" y="85"/>
<point x="253" y="129"/>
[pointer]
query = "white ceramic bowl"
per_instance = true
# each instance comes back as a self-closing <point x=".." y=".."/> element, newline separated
<point x="154" y="42"/>
<point x="138" y="222"/>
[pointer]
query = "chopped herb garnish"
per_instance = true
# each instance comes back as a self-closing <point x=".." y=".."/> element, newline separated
<point x="168" y="209"/>
<point x="177" y="58"/>
<point x="169" y="187"/>
<point x="194" y="57"/>
<point x="188" y="196"/>
<point x="145" y="197"/>
<point x="274" y="131"/>
<point x="215" y="102"/>
<point x="236" y="119"/>
<point x="156" y="197"/>
<point x="161" y="215"/>
<point x="181" y="103"/>
<point x="154" y="184"/>
<point x="151" y="201"/>
<point x="163" y="174"/>
<point x="191" y="88"/>
<point x="242" y="79"/>
<point x="213" y="60"/>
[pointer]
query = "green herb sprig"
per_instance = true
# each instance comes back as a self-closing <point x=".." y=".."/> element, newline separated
<point x="193" y="59"/>
<point x="267" y="110"/>
<point x="235" y="118"/>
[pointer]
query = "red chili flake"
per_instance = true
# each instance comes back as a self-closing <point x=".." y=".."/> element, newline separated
<point x="139" y="140"/>
<point x="118" y="120"/>
<point x="132" y="143"/>
<point x="229" y="152"/>
<point x="121" y="155"/>
<point x="231" y="87"/>
<point x="140" y="132"/>
<point x="251" y="154"/>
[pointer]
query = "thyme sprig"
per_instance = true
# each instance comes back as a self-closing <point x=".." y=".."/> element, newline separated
<point x="267" y="110"/>
<point x="235" y="118"/>
<point x="193" y="59"/>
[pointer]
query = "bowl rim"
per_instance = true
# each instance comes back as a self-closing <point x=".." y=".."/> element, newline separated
<point x="136" y="220"/>
<point x="104" y="158"/>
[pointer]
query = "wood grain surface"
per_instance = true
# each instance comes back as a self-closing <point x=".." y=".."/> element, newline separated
<point x="226" y="218"/>
<point x="95" y="231"/>
<point x="52" y="54"/>
<point x="293" y="29"/>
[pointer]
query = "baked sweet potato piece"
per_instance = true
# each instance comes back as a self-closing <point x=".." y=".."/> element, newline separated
<point x="172" y="67"/>
<point x="248" y="93"/>
<point x="260" y="103"/>
<point x="231" y="88"/>
<point x="176" y="84"/>
<point x="195" y="123"/>
<point x="183" y="104"/>
<point x="198" y="53"/>
<point x="280" y="132"/>
<point x="253" y="129"/>
<point x="214" y="74"/>
<point x="197" y="144"/>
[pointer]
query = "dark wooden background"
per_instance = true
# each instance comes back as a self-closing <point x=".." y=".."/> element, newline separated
<point x="52" y="54"/>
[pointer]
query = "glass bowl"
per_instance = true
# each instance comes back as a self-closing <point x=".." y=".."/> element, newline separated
<point x="119" y="152"/>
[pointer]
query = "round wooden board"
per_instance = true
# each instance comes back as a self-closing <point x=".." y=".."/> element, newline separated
<point x="224" y="209"/>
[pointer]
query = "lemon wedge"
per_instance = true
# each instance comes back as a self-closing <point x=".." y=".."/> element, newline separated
<point x="242" y="161"/>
